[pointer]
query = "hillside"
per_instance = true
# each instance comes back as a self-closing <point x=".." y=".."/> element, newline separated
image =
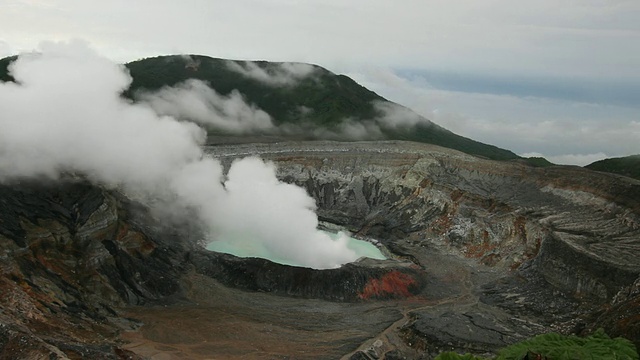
<point x="332" y="97"/>
<point x="304" y="101"/>
<point x="627" y="166"/>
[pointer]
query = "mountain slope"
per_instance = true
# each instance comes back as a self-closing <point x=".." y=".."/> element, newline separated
<point x="627" y="166"/>
<point x="332" y="97"/>
<point x="304" y="101"/>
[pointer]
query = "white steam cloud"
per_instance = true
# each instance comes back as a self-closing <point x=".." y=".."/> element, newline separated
<point x="195" y="101"/>
<point x="276" y="74"/>
<point x="390" y="116"/>
<point x="65" y="114"/>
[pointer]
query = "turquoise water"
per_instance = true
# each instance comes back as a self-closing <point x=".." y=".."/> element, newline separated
<point x="243" y="247"/>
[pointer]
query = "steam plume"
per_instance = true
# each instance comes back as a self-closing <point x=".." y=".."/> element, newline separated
<point x="65" y="114"/>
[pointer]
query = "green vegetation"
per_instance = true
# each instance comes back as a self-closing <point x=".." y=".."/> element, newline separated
<point x="4" y="71"/>
<point x="554" y="346"/>
<point x="317" y="104"/>
<point x="627" y="166"/>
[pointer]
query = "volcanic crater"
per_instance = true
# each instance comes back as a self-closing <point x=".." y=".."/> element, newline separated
<point x="482" y="254"/>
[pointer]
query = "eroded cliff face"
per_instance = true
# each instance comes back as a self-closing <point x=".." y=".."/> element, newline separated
<point x="485" y="254"/>
<point x="71" y="253"/>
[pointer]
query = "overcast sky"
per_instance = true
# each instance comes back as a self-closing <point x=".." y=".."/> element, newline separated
<point x="560" y="78"/>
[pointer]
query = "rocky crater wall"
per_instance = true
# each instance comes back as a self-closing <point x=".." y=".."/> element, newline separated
<point x="72" y="253"/>
<point x="578" y="229"/>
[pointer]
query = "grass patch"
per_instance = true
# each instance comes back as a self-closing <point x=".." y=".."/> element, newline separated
<point x="554" y="346"/>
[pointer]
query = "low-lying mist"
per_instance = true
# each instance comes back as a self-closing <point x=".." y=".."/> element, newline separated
<point x="65" y="115"/>
<point x="198" y="101"/>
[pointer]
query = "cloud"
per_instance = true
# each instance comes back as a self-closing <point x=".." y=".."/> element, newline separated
<point x="594" y="41"/>
<point x="579" y="38"/>
<point x="273" y="74"/>
<point x="389" y="116"/>
<point x="65" y="115"/>
<point x="195" y="101"/>
<point x="570" y="159"/>
<point x="524" y="124"/>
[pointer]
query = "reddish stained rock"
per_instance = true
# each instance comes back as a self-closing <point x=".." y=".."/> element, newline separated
<point x="390" y="285"/>
<point x="478" y="251"/>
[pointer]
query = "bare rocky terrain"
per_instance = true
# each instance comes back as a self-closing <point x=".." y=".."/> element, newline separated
<point x="484" y="253"/>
